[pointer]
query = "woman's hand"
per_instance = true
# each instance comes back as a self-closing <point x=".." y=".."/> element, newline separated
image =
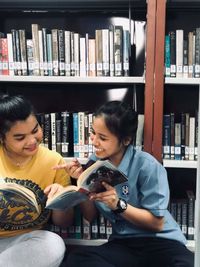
<point x="73" y="168"/>
<point x="109" y="197"/>
<point x="53" y="189"/>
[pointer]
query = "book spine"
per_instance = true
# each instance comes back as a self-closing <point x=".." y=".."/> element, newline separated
<point x="197" y="54"/>
<point x="172" y="135"/>
<point x="67" y="53"/>
<point x="77" y="54"/>
<point x="45" y="57"/>
<point x="18" y="54"/>
<point x="167" y="56"/>
<point x="58" y="133"/>
<point x="75" y="135"/>
<point x="190" y="55"/>
<point x="177" y="141"/>
<point x="185" y="59"/>
<point x="30" y="59"/>
<point x="166" y="136"/>
<point x="105" y="52"/>
<point x="118" y="50"/>
<point x="53" y="131"/>
<point x="187" y="135"/>
<point x="49" y="55"/>
<point x="13" y="33"/>
<point x="4" y="58"/>
<point x="111" y="43"/>
<point x="179" y="53"/>
<point x="36" y="51"/>
<point x="81" y="133"/>
<point x="126" y="52"/>
<point x="41" y="52"/>
<point x="192" y="138"/>
<point x="10" y="55"/>
<point x="92" y="57"/>
<point x="172" y="35"/>
<point x="65" y="117"/>
<point x="54" y="34"/>
<point x="191" y="208"/>
<point x="61" y="52"/>
<point x="82" y="57"/>
<point x="99" y="55"/>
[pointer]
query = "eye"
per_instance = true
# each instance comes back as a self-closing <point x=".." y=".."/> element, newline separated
<point x="20" y="138"/>
<point x="35" y="130"/>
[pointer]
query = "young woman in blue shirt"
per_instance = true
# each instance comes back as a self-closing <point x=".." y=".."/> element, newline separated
<point x="143" y="231"/>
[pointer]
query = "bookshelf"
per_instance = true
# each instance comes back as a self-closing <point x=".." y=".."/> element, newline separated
<point x="58" y="93"/>
<point x="182" y="94"/>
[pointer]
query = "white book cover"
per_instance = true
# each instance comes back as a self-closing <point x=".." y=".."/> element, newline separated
<point x="67" y="53"/>
<point x="105" y="51"/>
<point x="82" y="57"/>
<point x="191" y="138"/>
<point x="179" y="53"/>
<point x="10" y="55"/>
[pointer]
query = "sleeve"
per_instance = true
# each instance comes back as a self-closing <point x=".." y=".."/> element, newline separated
<point x="61" y="176"/>
<point x="154" y="188"/>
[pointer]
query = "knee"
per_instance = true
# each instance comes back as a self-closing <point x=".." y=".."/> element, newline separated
<point x="54" y="245"/>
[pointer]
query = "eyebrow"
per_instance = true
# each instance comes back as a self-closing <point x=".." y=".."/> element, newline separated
<point x="21" y="134"/>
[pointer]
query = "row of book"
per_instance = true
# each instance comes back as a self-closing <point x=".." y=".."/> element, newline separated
<point x="59" y="52"/>
<point x="100" y="228"/>
<point x="182" y="53"/>
<point x="68" y="133"/>
<point x="183" y="212"/>
<point x="181" y="209"/>
<point x="180" y="136"/>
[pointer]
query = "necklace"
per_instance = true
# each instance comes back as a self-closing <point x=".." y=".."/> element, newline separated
<point x="15" y="162"/>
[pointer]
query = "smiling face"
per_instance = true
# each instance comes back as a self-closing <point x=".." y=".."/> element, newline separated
<point x="106" y="144"/>
<point x="23" y="138"/>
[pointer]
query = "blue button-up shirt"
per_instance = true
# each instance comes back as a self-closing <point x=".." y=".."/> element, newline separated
<point x="147" y="188"/>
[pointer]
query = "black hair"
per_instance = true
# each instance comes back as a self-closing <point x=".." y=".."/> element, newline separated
<point x="12" y="109"/>
<point x="120" y="119"/>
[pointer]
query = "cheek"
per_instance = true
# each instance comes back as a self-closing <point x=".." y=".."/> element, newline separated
<point x="39" y="135"/>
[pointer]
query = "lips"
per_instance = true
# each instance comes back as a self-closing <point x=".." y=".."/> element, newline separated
<point x="31" y="148"/>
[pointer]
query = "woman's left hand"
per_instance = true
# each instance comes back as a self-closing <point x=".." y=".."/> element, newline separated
<point x="52" y="189"/>
<point x="109" y="197"/>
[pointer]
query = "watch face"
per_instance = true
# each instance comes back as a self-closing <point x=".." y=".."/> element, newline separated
<point x="122" y="204"/>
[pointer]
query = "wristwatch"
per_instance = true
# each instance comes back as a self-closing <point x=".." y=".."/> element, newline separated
<point x="121" y="206"/>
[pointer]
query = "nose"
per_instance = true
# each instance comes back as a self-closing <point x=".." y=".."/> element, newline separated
<point x="32" y="140"/>
<point x="94" y="139"/>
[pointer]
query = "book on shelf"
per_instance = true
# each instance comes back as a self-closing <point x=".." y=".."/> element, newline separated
<point x="36" y="50"/>
<point x="166" y="136"/>
<point x="179" y="53"/>
<point x="90" y="181"/>
<point x="172" y="35"/>
<point x="55" y="55"/>
<point x="190" y="54"/>
<point x="167" y="55"/>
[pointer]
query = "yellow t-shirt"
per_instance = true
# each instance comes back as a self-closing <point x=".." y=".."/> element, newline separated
<point x="39" y="173"/>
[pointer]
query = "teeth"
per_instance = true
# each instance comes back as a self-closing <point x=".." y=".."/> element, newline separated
<point x="98" y="149"/>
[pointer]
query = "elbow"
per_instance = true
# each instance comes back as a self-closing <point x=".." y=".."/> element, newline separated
<point x="158" y="224"/>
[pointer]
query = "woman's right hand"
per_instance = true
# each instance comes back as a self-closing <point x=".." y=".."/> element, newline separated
<point x="73" y="168"/>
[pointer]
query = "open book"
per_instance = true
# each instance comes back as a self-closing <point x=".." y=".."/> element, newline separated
<point x="90" y="181"/>
<point x="21" y="193"/>
<point x="25" y="193"/>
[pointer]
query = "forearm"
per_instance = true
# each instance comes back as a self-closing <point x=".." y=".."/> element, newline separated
<point x="143" y="218"/>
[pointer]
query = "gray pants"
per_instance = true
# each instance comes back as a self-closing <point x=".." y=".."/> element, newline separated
<point x="35" y="249"/>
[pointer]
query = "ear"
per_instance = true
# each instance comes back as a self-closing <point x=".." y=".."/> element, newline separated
<point x="127" y="141"/>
